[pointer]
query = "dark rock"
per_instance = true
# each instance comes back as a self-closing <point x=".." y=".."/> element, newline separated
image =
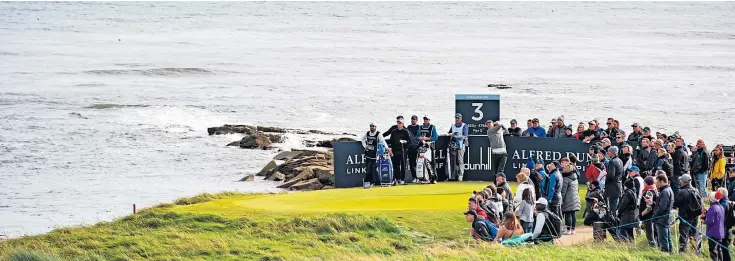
<point x="271" y="166"/>
<point x="277" y="176"/>
<point x="499" y="86"/>
<point x="274" y="138"/>
<point x="234" y="143"/>
<point x="78" y="115"/>
<point x="327" y="187"/>
<point x="330" y="143"/>
<point x="289" y="183"/>
<point x="312" y="184"/>
<point x="255" y="141"/>
<point x="287" y="155"/>
<point x="250" y="177"/>
<point x="306" y="174"/>
<point x="272" y="129"/>
<point x="325" y="176"/>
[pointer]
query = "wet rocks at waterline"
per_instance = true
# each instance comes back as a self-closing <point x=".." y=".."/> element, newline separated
<point x="299" y="170"/>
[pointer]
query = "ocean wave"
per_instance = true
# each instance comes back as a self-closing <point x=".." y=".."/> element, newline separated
<point x="90" y="85"/>
<point x="151" y="72"/>
<point x="102" y="106"/>
<point x="8" y="54"/>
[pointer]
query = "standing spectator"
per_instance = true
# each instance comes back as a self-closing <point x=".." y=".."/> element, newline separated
<point x="680" y="159"/>
<point x="653" y="156"/>
<point x="729" y="207"/>
<point x="715" y="221"/>
<point x="662" y="210"/>
<point x="552" y="187"/>
<point x="525" y="210"/>
<point x="620" y="140"/>
<point x="399" y="139"/>
<point x="646" y="206"/>
<point x="641" y="158"/>
<point x="611" y="130"/>
<point x="626" y="156"/>
<point x="700" y="166"/>
<point x="638" y="182"/>
<point x="550" y="130"/>
<point x="497" y="146"/>
<point x="514" y="130"/>
<point x="647" y="133"/>
<point x="560" y="129"/>
<point x="717" y="174"/>
<point x="689" y="203"/>
<point x="731" y="183"/>
<point x="606" y="144"/>
<point x="537" y="175"/>
<point x="613" y="182"/>
<point x="580" y="132"/>
<point x="536" y="130"/>
<point x="637" y="133"/>
<point x="627" y="212"/>
<point x="529" y="125"/>
<point x="664" y="164"/>
<point x="570" y="198"/>
<point x="523" y="184"/>
<point x="390" y="130"/>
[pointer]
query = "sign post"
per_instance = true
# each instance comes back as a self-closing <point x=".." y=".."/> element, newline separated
<point x="476" y="109"/>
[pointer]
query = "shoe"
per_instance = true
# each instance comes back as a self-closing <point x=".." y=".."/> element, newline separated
<point x="402" y="182"/>
<point x="574" y="232"/>
<point x="433" y="182"/>
<point x="568" y="232"/>
<point x="459" y="178"/>
<point x="415" y="181"/>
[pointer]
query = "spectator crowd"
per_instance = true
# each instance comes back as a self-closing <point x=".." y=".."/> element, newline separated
<point x="630" y="190"/>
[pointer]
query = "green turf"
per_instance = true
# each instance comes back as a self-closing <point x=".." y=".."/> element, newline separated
<point x="415" y="222"/>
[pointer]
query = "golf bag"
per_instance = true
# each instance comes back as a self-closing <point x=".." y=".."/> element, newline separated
<point x="424" y="162"/>
<point x="384" y="165"/>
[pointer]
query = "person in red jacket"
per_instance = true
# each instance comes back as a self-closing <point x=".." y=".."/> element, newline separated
<point x="474" y="205"/>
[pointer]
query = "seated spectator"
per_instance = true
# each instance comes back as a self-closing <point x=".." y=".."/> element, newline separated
<point x="592" y="134"/>
<point x="548" y="224"/>
<point x="511" y="227"/>
<point x="481" y="229"/>
<point x="473" y="204"/>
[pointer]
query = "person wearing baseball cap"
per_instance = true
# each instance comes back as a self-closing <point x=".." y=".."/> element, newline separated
<point x="427" y="133"/>
<point x="637" y="133"/>
<point x="399" y="140"/>
<point x="370" y="143"/>
<point x="413" y="146"/>
<point x="593" y="133"/>
<point x="647" y="133"/>
<point x="548" y="224"/>
<point x="481" y="230"/>
<point x="634" y="176"/>
<point x="514" y="130"/>
<point x="536" y="130"/>
<point x="459" y="131"/>
<point x="387" y="133"/>
<point x="689" y="203"/>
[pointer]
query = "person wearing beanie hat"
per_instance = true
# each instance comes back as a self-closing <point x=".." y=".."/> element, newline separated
<point x="628" y="211"/>
<point x="645" y="208"/>
<point x="559" y="129"/>
<point x="715" y="221"/>
<point x="614" y="179"/>
<point x="514" y="130"/>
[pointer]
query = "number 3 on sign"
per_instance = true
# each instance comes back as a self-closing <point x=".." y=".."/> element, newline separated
<point x="478" y="113"/>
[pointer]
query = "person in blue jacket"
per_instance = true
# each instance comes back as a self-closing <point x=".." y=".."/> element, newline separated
<point x="552" y="185"/>
<point x="536" y="130"/>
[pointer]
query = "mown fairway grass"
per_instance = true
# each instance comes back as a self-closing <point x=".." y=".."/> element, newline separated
<point x="416" y="222"/>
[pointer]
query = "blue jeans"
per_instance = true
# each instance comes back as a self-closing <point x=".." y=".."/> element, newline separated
<point x="702" y="180"/>
<point x="613" y="205"/>
<point x="527" y="226"/>
<point x="663" y="237"/>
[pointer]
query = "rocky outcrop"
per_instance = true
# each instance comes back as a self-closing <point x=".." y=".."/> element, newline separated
<point x="301" y="169"/>
<point x="263" y="137"/>
<point x="250" y="129"/>
<point x="256" y="141"/>
<point x="330" y="143"/>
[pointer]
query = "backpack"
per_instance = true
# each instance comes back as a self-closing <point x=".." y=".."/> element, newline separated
<point x="491" y="228"/>
<point x="554" y="224"/>
<point x="694" y="207"/>
<point x="729" y="215"/>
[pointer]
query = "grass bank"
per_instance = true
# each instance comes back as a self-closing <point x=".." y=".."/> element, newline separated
<point x="417" y="222"/>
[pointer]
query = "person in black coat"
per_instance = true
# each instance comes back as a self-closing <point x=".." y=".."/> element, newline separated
<point x="399" y="139"/>
<point x="680" y="160"/>
<point x="641" y="158"/>
<point x="628" y="211"/>
<point x="614" y="179"/>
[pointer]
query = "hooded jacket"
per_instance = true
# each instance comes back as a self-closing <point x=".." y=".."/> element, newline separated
<point x="614" y="180"/>
<point x="570" y="192"/>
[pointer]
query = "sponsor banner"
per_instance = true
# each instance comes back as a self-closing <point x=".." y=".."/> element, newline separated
<point x="349" y="159"/>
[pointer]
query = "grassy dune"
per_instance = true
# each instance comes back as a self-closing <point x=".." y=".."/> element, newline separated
<point x="417" y="222"/>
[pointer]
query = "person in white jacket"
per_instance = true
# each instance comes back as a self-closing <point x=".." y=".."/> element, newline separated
<point x="523" y="183"/>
